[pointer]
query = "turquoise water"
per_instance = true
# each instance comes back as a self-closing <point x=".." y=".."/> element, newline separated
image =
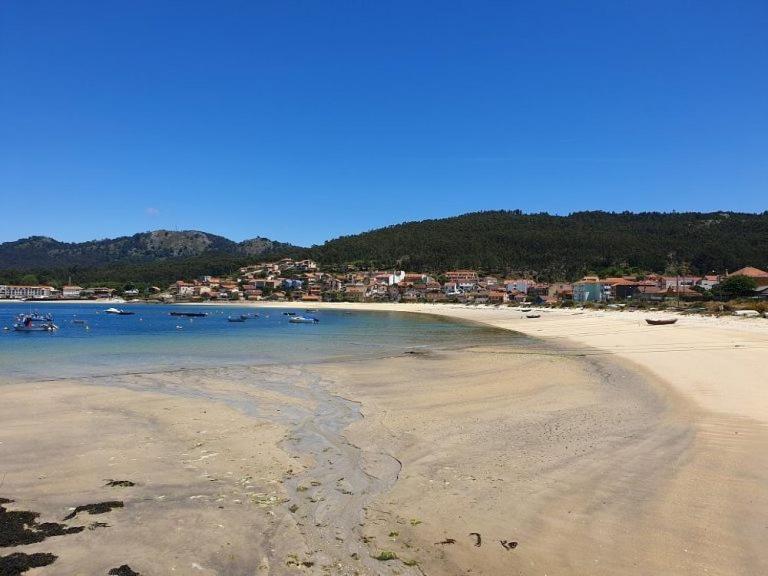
<point x="153" y="340"/>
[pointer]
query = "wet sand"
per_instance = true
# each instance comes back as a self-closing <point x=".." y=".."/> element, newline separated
<point x="568" y="456"/>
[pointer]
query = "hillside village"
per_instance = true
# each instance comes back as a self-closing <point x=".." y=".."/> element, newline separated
<point x="303" y="280"/>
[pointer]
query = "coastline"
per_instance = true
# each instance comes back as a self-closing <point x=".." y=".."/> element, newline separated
<point x="715" y="362"/>
<point x="596" y="451"/>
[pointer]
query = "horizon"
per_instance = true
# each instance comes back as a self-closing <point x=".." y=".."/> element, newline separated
<point x="302" y="123"/>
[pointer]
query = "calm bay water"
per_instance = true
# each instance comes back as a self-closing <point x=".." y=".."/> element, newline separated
<point x="153" y="340"/>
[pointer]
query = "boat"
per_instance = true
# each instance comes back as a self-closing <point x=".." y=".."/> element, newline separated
<point x="533" y="316"/>
<point x="289" y="313"/>
<point x="303" y="320"/>
<point x="525" y="309"/>
<point x="118" y="312"/>
<point x="249" y="315"/>
<point x="311" y="310"/>
<point x="27" y="324"/>
<point x="190" y="314"/>
<point x="235" y="319"/>
<point x="78" y="321"/>
<point x="661" y="322"/>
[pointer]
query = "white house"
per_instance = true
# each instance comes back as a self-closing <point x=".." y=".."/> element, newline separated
<point x="390" y="278"/>
<point x="71" y="291"/>
<point x="21" y="292"/>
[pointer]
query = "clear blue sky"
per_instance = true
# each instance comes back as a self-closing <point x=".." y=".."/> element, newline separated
<point x="301" y="121"/>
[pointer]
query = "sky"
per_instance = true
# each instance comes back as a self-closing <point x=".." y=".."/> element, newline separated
<point x="302" y="121"/>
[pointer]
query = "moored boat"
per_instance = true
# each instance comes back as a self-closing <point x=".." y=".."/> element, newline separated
<point x="303" y="320"/>
<point x="118" y="312"/>
<point x="27" y="323"/>
<point x="235" y="319"/>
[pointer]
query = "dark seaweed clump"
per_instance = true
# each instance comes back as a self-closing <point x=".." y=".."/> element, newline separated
<point x="18" y="562"/>
<point x="120" y="483"/>
<point x="99" y="508"/>
<point x="123" y="570"/>
<point x="19" y="527"/>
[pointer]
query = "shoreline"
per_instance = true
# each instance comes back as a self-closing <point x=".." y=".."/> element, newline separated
<point x="716" y="362"/>
<point x="597" y="450"/>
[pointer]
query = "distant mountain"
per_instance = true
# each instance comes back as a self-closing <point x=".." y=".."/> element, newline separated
<point x="558" y="247"/>
<point x="40" y="252"/>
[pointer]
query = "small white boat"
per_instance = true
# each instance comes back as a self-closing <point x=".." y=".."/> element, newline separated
<point x="303" y="320"/>
<point x="118" y="311"/>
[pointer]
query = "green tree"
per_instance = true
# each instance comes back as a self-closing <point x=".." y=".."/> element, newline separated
<point x="734" y="287"/>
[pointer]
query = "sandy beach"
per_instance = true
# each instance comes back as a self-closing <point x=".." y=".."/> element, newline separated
<point x="602" y="446"/>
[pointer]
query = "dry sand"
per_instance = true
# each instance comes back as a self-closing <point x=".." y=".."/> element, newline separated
<point x="605" y="447"/>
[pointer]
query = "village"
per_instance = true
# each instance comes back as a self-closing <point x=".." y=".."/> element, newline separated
<point x="304" y="281"/>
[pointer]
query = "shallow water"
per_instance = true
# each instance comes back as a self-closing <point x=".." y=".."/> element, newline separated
<point x="152" y="340"/>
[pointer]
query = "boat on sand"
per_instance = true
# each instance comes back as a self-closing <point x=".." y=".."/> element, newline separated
<point x="661" y="322"/>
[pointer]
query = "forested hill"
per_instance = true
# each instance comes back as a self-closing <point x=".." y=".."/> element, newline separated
<point x="560" y="246"/>
<point x="545" y="246"/>
<point x="39" y="252"/>
<point x="159" y="257"/>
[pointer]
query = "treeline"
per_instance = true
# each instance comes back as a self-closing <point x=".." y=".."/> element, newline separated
<point x="560" y="247"/>
<point x="159" y="273"/>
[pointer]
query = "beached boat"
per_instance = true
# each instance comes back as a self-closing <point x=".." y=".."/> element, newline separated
<point x="118" y="312"/>
<point x="303" y="320"/>
<point x="533" y="316"/>
<point x="189" y="314"/>
<point x="661" y="322"/>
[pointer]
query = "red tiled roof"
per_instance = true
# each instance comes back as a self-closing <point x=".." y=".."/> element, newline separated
<point x="750" y="271"/>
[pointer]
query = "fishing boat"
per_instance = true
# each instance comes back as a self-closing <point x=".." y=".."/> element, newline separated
<point x="27" y="324"/>
<point x="118" y="312"/>
<point x="303" y="320"/>
<point x="235" y="319"/>
<point x="661" y="322"/>
<point x="189" y="314"/>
